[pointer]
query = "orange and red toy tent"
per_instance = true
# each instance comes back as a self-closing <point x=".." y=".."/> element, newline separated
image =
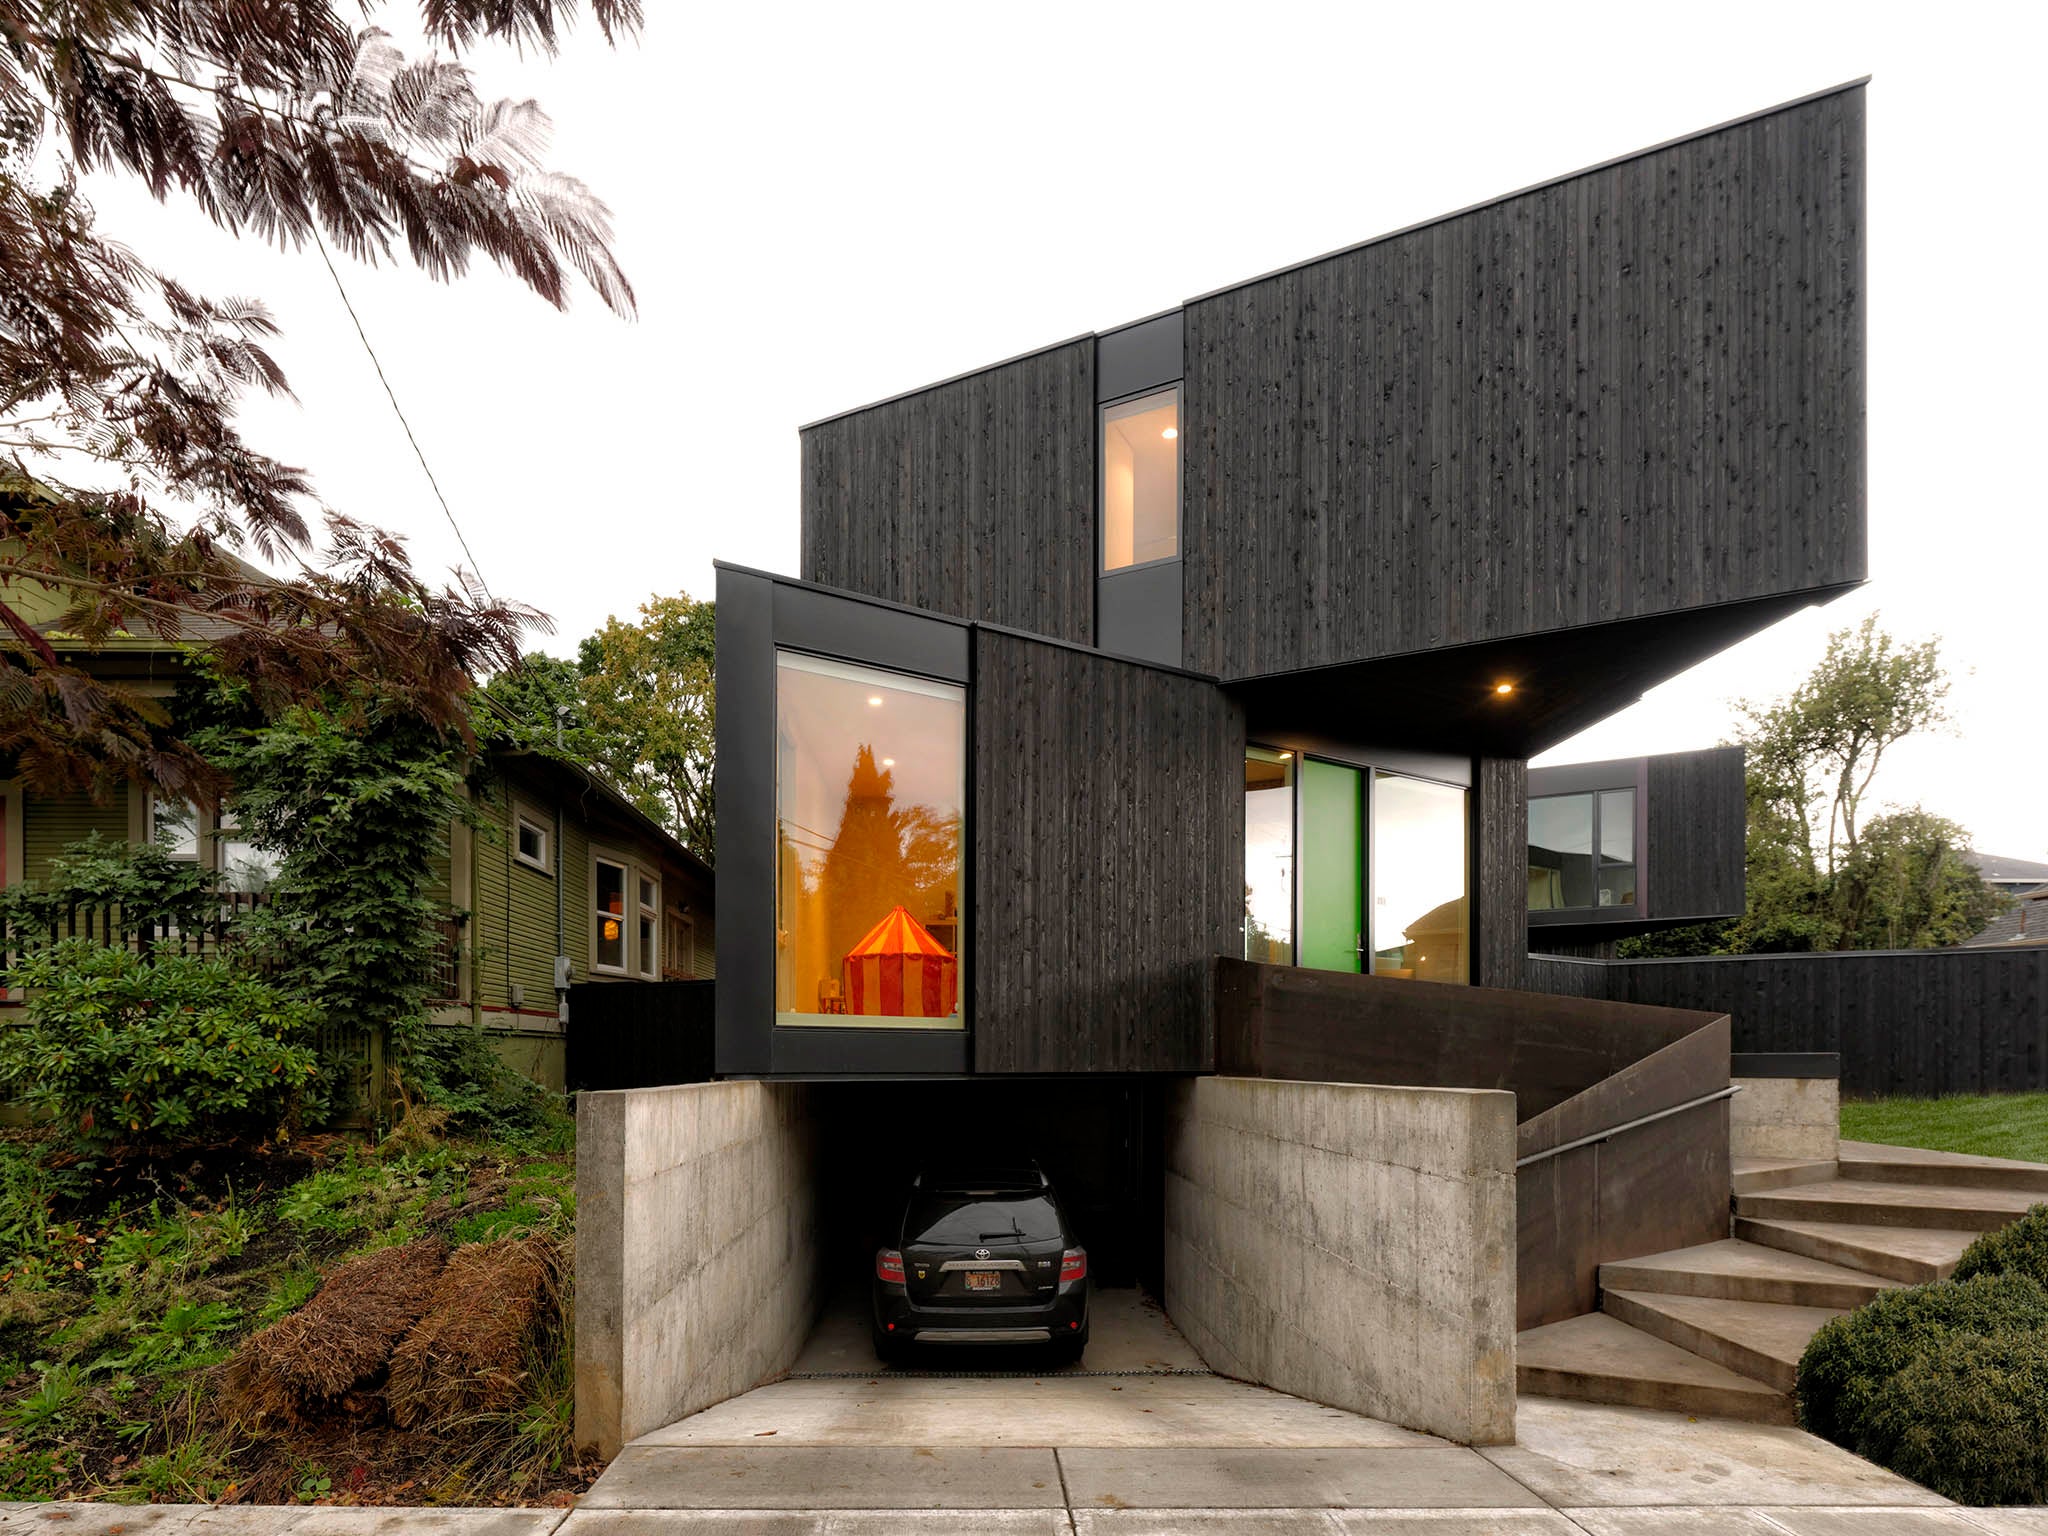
<point x="899" y="971"/>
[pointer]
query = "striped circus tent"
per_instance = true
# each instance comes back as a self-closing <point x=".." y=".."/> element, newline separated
<point x="899" y="971"/>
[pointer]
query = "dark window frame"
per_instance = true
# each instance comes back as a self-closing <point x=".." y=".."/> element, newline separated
<point x="1638" y="810"/>
<point x="1178" y="389"/>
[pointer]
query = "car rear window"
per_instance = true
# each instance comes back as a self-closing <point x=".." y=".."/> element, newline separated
<point x="944" y="1219"/>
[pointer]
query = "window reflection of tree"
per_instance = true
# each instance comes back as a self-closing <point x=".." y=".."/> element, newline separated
<point x="881" y="856"/>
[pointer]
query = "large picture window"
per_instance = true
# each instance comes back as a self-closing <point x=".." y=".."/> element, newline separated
<point x="1420" y="918"/>
<point x="1141" y="480"/>
<point x="870" y="799"/>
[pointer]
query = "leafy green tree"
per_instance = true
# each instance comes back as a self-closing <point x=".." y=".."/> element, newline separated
<point x="358" y="804"/>
<point x="127" y="486"/>
<point x="537" y="706"/>
<point x="650" y="713"/>
<point x="1822" y="871"/>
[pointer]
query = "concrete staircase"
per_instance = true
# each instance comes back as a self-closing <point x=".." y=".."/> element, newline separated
<point x="1718" y="1330"/>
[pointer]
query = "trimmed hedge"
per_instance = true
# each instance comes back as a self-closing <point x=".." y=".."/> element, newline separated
<point x="1849" y="1363"/>
<point x="1969" y="1419"/>
<point x="2021" y="1248"/>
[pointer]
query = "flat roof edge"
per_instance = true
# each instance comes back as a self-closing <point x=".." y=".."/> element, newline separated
<point x="925" y="389"/>
<point x="1537" y="186"/>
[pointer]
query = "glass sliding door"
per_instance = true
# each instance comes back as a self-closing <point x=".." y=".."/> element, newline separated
<point x="1269" y="856"/>
<point x="1421" y="922"/>
<point x="1332" y="866"/>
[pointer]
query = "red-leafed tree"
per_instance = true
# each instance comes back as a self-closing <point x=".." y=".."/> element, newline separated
<point x="126" y="486"/>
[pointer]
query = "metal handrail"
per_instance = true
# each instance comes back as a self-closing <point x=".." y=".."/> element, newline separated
<point x="1616" y="1130"/>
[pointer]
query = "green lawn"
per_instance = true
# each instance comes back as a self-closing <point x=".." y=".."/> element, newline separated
<point x="1997" y="1125"/>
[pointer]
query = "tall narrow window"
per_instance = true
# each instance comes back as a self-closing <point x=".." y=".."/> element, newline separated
<point x="1141" y="480"/>
<point x="174" y="827"/>
<point x="870" y="797"/>
<point x="1560" y="852"/>
<point x="1419" y="879"/>
<point x="1269" y="856"/>
<point x="1617" y="847"/>
<point x="647" y="944"/>
<point x="611" y="916"/>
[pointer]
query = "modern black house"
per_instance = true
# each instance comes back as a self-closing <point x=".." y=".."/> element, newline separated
<point x="1230" y="632"/>
<point x="1138" y="765"/>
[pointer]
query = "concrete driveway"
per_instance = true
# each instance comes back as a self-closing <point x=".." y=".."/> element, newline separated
<point x="1142" y="1441"/>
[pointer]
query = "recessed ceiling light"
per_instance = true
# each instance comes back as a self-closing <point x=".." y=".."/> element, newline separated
<point x="875" y="699"/>
<point x="1170" y="433"/>
<point x="888" y="762"/>
<point x="1503" y="689"/>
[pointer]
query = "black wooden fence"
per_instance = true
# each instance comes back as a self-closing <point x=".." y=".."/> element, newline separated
<point x="639" y="1034"/>
<point x="1920" y="1022"/>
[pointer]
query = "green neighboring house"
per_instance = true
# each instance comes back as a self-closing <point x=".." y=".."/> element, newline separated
<point x="562" y="863"/>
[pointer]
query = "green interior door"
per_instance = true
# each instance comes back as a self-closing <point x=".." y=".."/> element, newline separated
<point x="1332" y="866"/>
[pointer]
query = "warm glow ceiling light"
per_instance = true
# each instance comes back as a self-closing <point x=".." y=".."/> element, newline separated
<point x="888" y="762"/>
<point x="1503" y="689"/>
<point x="1170" y="433"/>
<point x="875" y="699"/>
<point x="1285" y="755"/>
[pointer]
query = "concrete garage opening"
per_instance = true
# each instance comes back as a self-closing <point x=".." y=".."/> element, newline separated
<point x="1100" y="1141"/>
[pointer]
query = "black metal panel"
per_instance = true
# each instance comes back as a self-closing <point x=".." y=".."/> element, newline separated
<point x="1138" y="357"/>
<point x="1137" y="613"/>
<point x="1108" y="859"/>
<point x="1915" y="1022"/>
<point x="758" y="614"/>
<point x="744" y="786"/>
<point x="1697" y="817"/>
<point x="1632" y="392"/>
<point x="639" y="1034"/>
<point x="974" y="498"/>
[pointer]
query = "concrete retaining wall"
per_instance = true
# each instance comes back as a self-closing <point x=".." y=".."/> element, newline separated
<point x="696" y="1275"/>
<point x="1350" y="1244"/>
<point x="1792" y="1118"/>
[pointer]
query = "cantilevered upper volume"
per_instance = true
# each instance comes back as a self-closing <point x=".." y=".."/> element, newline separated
<point x="1625" y="406"/>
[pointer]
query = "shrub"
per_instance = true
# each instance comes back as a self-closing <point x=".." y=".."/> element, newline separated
<point x="1849" y="1362"/>
<point x="1968" y="1419"/>
<point x="452" y="1069"/>
<point x="2020" y="1249"/>
<point x="120" y="1048"/>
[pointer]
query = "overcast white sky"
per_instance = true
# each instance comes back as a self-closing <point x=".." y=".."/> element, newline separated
<point x="821" y="206"/>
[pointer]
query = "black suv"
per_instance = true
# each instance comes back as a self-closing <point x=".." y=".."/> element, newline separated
<point x="982" y="1256"/>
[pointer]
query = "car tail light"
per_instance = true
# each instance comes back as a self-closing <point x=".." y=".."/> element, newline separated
<point x="1073" y="1265"/>
<point x="889" y="1266"/>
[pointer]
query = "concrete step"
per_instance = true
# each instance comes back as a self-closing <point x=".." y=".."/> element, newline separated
<point x="1734" y="1270"/>
<point x="1600" y="1359"/>
<point x="1868" y="1203"/>
<point x="1867" y="1160"/>
<point x="1758" y="1339"/>
<point x="1910" y="1255"/>
<point x="1751" y="1175"/>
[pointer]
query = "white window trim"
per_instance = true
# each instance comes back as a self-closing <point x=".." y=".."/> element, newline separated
<point x="647" y="966"/>
<point x="524" y="816"/>
<point x="624" y="865"/>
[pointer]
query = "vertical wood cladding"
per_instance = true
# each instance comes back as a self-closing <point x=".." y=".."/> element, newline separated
<point x="1697" y="827"/>
<point x="1108" y="860"/>
<point x="1502" y="887"/>
<point x="1637" y="390"/>
<point x="1916" y="1022"/>
<point x="974" y="498"/>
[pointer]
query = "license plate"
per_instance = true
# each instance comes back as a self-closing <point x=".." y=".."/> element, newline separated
<point x="983" y="1280"/>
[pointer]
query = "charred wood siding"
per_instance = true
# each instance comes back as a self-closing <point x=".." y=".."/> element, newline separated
<point x="1697" y="830"/>
<point x="1631" y="392"/>
<point x="1108" y="860"/>
<point x="974" y="498"/>
<point x="1914" y="1022"/>
<point x="1503" y="872"/>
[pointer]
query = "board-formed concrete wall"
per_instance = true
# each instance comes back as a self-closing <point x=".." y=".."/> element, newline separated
<point x="695" y="1270"/>
<point x="1350" y="1244"/>
<point x="1797" y="1119"/>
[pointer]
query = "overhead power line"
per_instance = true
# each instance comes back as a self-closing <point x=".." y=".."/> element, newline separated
<point x="399" y="411"/>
